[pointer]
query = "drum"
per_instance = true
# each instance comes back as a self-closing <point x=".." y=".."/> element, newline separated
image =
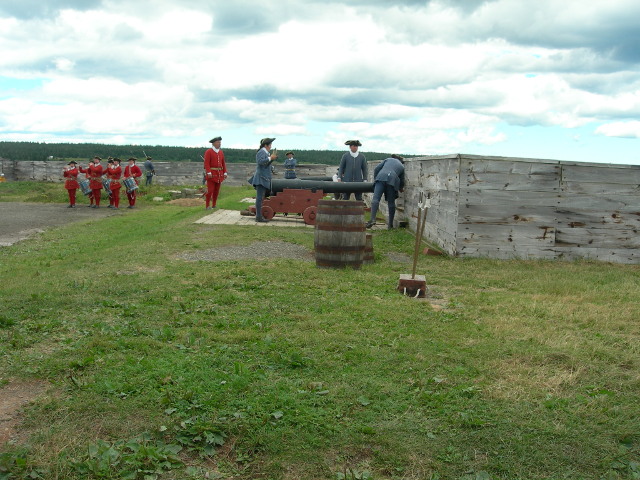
<point x="106" y="183"/>
<point x="84" y="186"/>
<point x="130" y="184"/>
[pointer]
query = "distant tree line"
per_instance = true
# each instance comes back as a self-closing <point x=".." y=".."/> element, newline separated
<point x="35" y="151"/>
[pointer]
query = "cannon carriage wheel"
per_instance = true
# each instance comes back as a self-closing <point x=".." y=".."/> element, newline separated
<point x="309" y="215"/>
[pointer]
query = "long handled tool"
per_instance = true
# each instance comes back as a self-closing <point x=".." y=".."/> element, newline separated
<point x="412" y="285"/>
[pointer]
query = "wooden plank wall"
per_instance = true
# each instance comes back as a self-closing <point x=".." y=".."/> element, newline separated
<point x="508" y="207"/>
<point x="531" y="208"/>
<point x="599" y="213"/>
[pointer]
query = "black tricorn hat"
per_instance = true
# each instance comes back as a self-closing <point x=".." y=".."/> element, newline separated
<point x="149" y="158"/>
<point x="215" y="139"/>
<point x="353" y="142"/>
<point x="97" y="157"/>
<point x="289" y="153"/>
<point x="398" y="157"/>
<point x="266" y="141"/>
<point x="72" y="161"/>
<point x="133" y="158"/>
<point x="116" y="160"/>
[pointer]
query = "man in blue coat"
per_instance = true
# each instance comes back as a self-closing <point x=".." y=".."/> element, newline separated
<point x="262" y="178"/>
<point x="388" y="178"/>
<point x="353" y="167"/>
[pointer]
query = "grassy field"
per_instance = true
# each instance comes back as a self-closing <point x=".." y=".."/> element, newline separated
<point x="158" y="367"/>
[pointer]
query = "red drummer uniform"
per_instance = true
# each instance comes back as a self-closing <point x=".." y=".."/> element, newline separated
<point x="135" y="172"/>
<point x="114" y="174"/>
<point x="71" y="184"/>
<point x="95" y="181"/>
<point x="215" y="170"/>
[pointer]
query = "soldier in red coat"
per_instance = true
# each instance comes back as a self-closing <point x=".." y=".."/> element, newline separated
<point x="215" y="171"/>
<point x="95" y="180"/>
<point x="132" y="171"/>
<point x="114" y="173"/>
<point x="71" y="183"/>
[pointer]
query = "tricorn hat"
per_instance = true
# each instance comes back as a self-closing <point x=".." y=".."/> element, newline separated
<point x="72" y="161"/>
<point x="289" y="153"/>
<point x="133" y="158"/>
<point x="149" y="158"/>
<point x="116" y="160"/>
<point x="215" y="139"/>
<point x="97" y="157"/>
<point x="266" y="141"/>
<point x="110" y="160"/>
<point x="353" y="142"/>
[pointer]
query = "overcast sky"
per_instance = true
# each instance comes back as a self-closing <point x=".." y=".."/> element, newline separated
<point x="538" y="78"/>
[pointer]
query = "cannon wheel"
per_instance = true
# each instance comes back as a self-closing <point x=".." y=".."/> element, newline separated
<point x="309" y="215"/>
<point x="268" y="213"/>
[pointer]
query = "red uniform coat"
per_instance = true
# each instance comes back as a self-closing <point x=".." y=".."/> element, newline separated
<point x="95" y="174"/>
<point x="132" y="171"/>
<point x="114" y="174"/>
<point x="72" y="179"/>
<point x="214" y="164"/>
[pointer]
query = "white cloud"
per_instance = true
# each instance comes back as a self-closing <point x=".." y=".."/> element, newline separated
<point x="620" y="129"/>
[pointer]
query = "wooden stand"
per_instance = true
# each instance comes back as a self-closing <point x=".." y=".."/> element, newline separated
<point x="413" y="286"/>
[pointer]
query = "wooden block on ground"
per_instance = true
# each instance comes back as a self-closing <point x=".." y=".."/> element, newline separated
<point x="413" y="287"/>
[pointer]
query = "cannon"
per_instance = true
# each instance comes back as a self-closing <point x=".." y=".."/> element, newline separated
<point x="302" y="196"/>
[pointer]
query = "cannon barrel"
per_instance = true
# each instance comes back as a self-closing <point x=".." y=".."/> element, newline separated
<point x="327" y="179"/>
<point x="326" y="187"/>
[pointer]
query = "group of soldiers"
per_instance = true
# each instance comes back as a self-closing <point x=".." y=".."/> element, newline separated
<point x="97" y="177"/>
<point x="388" y="177"/>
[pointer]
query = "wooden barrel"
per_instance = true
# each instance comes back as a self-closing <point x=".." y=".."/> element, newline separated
<point x="367" y="257"/>
<point x="340" y="234"/>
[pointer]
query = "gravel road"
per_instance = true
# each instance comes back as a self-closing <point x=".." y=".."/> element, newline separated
<point x="20" y="220"/>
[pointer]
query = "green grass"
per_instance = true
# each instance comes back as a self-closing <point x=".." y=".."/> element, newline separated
<point x="277" y="369"/>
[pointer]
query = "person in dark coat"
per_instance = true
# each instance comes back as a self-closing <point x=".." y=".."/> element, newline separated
<point x="388" y="178"/>
<point x="353" y="167"/>
<point x="149" y="170"/>
<point x="290" y="166"/>
<point x="262" y="178"/>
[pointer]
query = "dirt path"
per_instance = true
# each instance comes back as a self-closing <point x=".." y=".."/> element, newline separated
<point x="13" y="397"/>
<point x="20" y="220"/>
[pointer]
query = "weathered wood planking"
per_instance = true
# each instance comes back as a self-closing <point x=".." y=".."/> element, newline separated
<point x="506" y="234"/>
<point x="509" y="252"/>
<point x="545" y="216"/>
<point x="544" y="182"/>
<point x="623" y="175"/>
<point x="505" y="167"/>
<point x="600" y="203"/>
<point x="610" y="219"/>
<point x="519" y="198"/>
<point x="600" y="188"/>
<point x="598" y="237"/>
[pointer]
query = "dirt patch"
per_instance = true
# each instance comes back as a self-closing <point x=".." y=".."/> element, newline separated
<point x="22" y="220"/>
<point x="255" y="251"/>
<point x="13" y="397"/>
<point x="187" y="202"/>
